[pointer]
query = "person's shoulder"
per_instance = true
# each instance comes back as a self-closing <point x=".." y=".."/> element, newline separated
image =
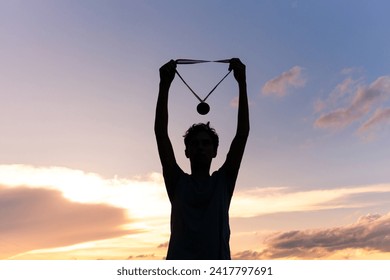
<point x="222" y="175"/>
<point x="221" y="172"/>
<point x="173" y="178"/>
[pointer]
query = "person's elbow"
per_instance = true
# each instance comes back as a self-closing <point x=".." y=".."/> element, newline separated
<point x="243" y="130"/>
<point x="243" y="133"/>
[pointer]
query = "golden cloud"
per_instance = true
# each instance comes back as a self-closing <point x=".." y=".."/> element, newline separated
<point x="370" y="235"/>
<point x="38" y="218"/>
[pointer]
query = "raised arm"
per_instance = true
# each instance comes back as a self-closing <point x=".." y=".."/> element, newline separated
<point x="236" y="151"/>
<point x="165" y="150"/>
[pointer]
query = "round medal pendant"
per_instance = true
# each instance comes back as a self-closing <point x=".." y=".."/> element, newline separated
<point x="203" y="108"/>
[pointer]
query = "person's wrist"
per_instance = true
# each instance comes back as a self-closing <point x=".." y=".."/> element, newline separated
<point x="242" y="82"/>
<point x="165" y="83"/>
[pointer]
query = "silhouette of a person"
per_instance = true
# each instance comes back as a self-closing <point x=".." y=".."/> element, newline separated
<point x="200" y="201"/>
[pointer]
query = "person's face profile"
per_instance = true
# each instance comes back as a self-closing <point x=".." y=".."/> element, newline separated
<point x="201" y="147"/>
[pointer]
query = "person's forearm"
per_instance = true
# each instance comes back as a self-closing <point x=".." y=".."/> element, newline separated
<point x="161" y="119"/>
<point x="243" y="111"/>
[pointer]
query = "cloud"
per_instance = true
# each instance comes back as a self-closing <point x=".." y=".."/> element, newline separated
<point x="371" y="233"/>
<point x="247" y="255"/>
<point x="257" y="202"/>
<point x="380" y="117"/>
<point x="342" y="93"/>
<point x="163" y="245"/>
<point x="280" y="85"/>
<point x="82" y="187"/>
<point x="121" y="201"/>
<point x="38" y="218"/>
<point x="364" y="99"/>
<point x="145" y="256"/>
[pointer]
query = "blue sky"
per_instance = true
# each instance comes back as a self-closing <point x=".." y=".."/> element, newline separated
<point x="79" y="81"/>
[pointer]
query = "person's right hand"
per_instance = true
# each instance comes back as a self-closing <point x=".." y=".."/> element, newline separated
<point x="167" y="72"/>
<point x="239" y="69"/>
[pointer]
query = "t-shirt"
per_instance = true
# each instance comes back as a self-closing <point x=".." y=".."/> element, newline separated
<point x="200" y="217"/>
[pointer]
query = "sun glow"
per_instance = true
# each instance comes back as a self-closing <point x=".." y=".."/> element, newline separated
<point x="143" y="198"/>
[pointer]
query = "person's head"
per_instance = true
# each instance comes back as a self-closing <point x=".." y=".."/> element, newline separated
<point x="201" y="140"/>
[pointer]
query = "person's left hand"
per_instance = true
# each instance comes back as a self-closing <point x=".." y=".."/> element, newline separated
<point x="239" y="69"/>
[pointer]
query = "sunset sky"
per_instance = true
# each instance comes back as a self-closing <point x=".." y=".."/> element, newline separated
<point x="80" y="176"/>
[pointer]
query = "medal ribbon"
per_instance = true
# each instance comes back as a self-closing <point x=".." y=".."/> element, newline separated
<point x="195" y="61"/>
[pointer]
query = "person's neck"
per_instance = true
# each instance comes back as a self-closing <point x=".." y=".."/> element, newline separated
<point x="200" y="173"/>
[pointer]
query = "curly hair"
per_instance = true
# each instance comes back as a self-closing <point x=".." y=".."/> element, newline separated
<point x="196" y="128"/>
